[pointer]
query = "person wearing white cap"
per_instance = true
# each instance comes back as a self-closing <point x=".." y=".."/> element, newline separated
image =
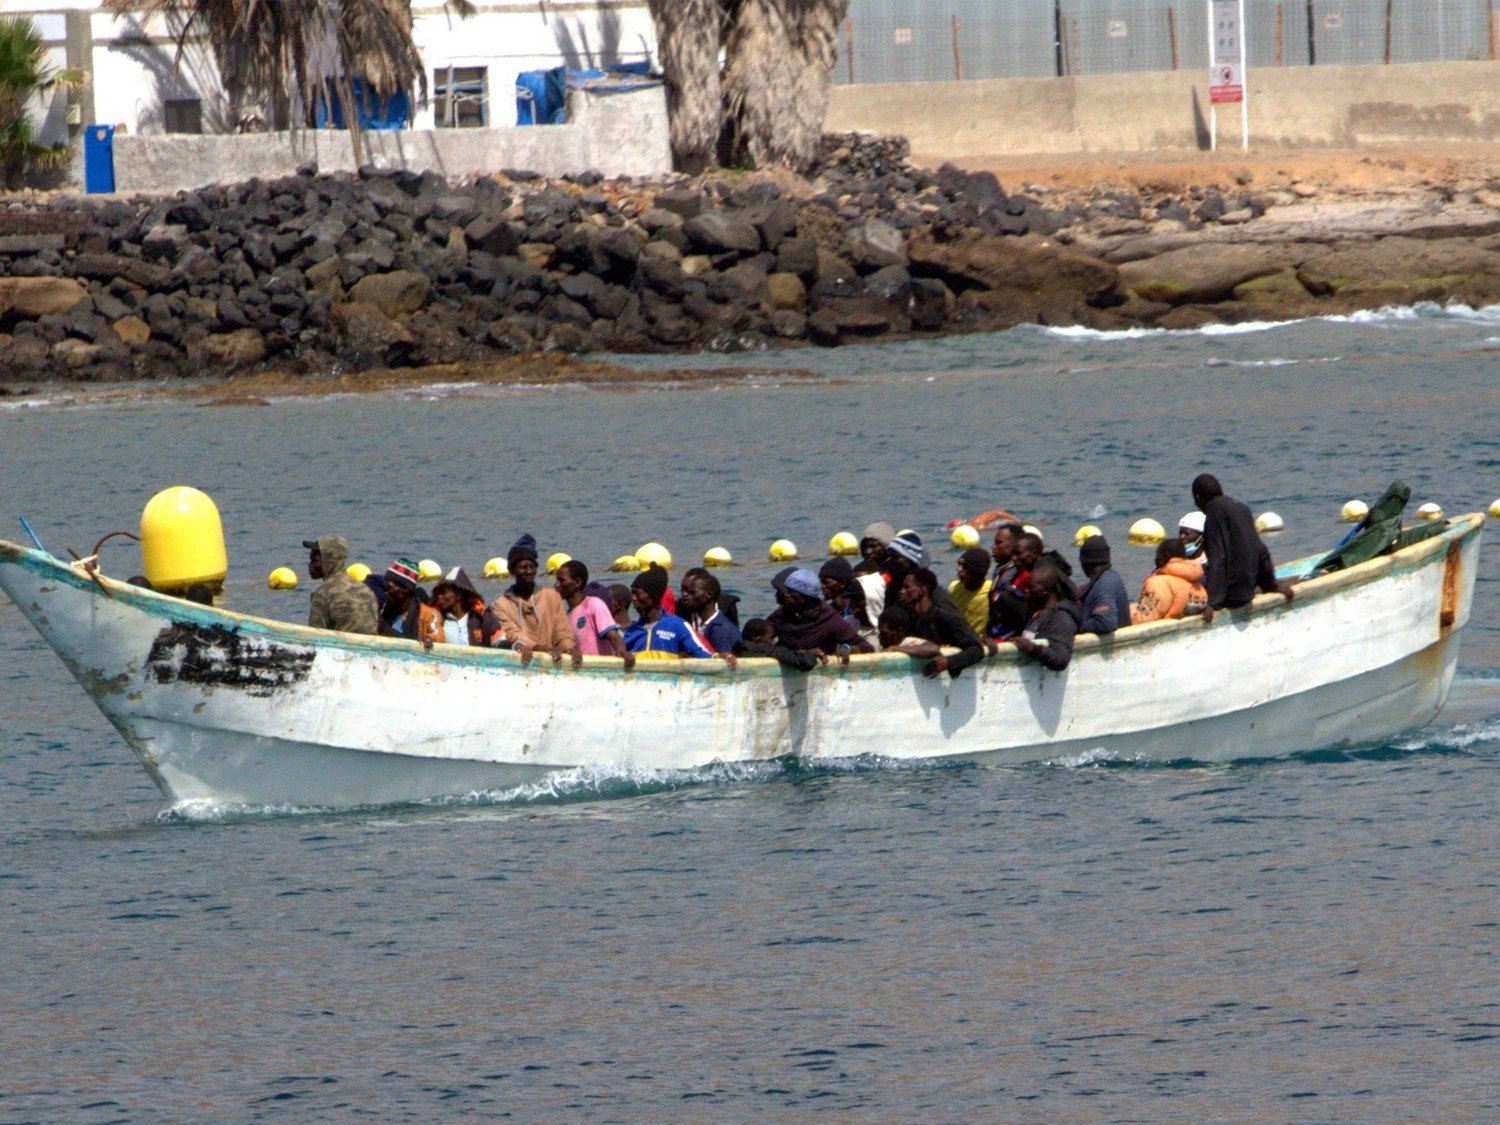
<point x="1190" y="531"/>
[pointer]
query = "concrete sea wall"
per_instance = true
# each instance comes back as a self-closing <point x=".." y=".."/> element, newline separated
<point x="1289" y="107"/>
<point x="621" y="134"/>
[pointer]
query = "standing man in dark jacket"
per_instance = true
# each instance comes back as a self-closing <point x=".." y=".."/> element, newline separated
<point x="1238" y="562"/>
<point x="1105" y="604"/>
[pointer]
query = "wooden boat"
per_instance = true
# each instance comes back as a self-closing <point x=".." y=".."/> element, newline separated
<point x="244" y="710"/>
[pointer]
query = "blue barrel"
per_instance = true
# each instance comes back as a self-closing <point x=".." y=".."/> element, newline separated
<point x="99" y="159"/>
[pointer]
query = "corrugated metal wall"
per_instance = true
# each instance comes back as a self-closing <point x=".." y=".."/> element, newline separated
<point x="940" y="40"/>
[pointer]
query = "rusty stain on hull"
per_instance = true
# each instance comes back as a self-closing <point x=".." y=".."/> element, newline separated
<point x="1452" y="572"/>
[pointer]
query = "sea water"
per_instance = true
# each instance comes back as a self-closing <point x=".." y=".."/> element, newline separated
<point x="1310" y="938"/>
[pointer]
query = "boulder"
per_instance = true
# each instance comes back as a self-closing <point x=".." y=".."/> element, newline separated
<point x="367" y="329"/>
<point x="240" y="348"/>
<point x="31" y="297"/>
<point x="718" y="231"/>
<point x="132" y="330"/>
<point x="1201" y="274"/>
<point x="785" y="291"/>
<point x="398" y="293"/>
<point x="878" y="244"/>
<point x="1018" y="279"/>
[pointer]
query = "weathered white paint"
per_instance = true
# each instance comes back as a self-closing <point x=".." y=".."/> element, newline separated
<point x="1360" y="655"/>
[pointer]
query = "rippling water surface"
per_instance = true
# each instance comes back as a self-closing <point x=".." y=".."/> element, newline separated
<point x="1305" y="939"/>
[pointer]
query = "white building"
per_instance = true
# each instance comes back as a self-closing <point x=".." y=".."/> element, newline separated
<point x="138" y="80"/>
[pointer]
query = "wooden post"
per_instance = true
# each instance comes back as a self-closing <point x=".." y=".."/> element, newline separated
<point x="849" y="47"/>
<point x="1278" y="32"/>
<point x="958" y="62"/>
<point x="1494" y="30"/>
<point x="1312" y="36"/>
<point x="1388" y="5"/>
<point x="1172" y="31"/>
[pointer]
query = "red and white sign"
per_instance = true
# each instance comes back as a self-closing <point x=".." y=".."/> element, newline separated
<point x="1226" y="85"/>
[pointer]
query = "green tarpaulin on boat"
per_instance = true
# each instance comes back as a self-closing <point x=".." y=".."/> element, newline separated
<point x="1376" y="534"/>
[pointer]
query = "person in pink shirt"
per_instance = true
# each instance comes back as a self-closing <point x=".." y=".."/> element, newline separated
<point x="594" y="626"/>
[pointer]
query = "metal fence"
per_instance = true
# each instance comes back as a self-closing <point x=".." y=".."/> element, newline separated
<point x="941" y="40"/>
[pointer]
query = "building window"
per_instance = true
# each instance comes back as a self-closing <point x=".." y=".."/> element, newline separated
<point x="182" y="115"/>
<point x="460" y="97"/>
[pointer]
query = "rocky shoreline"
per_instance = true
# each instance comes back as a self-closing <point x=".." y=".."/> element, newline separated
<point x="317" y="276"/>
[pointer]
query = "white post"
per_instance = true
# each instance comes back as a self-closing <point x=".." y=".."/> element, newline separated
<point x="1213" y="110"/>
<point x="1245" y="85"/>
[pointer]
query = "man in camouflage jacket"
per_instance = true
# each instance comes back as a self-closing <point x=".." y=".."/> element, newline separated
<point x="340" y="603"/>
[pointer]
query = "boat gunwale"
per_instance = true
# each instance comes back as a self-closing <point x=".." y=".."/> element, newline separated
<point x="154" y="602"/>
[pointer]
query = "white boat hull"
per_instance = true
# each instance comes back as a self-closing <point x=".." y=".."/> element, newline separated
<point x="243" y="710"/>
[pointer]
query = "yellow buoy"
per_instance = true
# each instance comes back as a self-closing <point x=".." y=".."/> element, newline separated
<point x="717" y="556"/>
<point x="282" y="578"/>
<point x="648" y="553"/>
<point x="783" y="550"/>
<point x="182" y="541"/>
<point x="624" y="564"/>
<point x="555" y="560"/>
<point x="964" y="537"/>
<point x="497" y="567"/>
<point x="1495" y="510"/>
<point x="1425" y="512"/>
<point x="1085" y="532"/>
<point x="1269" y="521"/>
<point x="429" y="571"/>
<point x="1354" y="511"/>
<point x="1146" y="532"/>
<point x="844" y="543"/>
<point x="357" y="571"/>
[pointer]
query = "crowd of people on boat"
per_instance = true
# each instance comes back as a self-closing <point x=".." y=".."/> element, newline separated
<point x="1019" y="592"/>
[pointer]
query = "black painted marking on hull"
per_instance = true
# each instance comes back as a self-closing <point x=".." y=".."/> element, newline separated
<point x="216" y="656"/>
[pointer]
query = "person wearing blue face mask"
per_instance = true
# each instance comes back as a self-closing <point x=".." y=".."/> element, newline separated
<point x="1190" y="531"/>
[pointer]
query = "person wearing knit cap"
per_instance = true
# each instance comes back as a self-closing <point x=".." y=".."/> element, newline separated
<point x="405" y="601"/>
<point x="527" y="618"/>
<point x="805" y="621"/>
<point x="970" y="591"/>
<point x="872" y="544"/>
<point x="908" y="545"/>
<point x="1105" y="604"/>
<point x="656" y="634"/>
<point x="846" y="593"/>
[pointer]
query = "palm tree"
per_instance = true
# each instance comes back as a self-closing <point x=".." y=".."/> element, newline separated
<point x="779" y="57"/>
<point x="766" y="105"/>
<point x="689" y="37"/>
<point x="287" y="52"/>
<point x="24" y="75"/>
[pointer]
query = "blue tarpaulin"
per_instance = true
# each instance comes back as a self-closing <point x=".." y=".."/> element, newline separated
<point x="393" y="112"/>
<point x="542" y="95"/>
